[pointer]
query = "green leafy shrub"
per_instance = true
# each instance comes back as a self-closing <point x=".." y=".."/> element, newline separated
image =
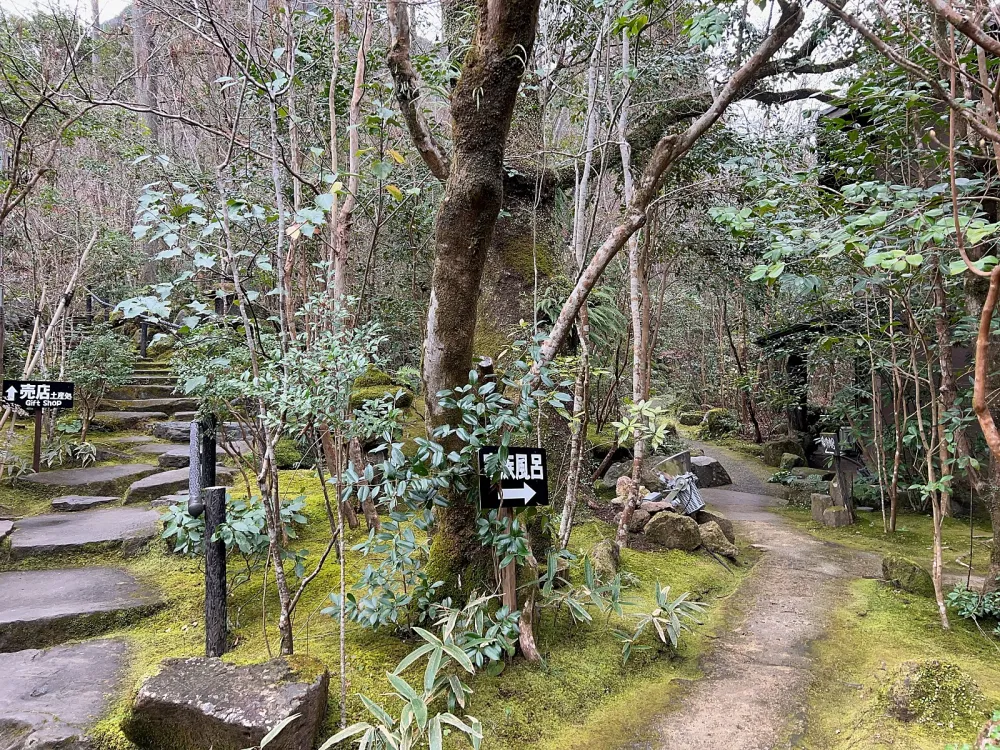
<point x="971" y="605"/>
<point x="101" y="361"/>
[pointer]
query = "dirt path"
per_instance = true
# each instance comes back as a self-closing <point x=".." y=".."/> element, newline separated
<point x="757" y="677"/>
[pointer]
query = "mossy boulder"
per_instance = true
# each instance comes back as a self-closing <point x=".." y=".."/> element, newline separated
<point x="289" y="456"/>
<point x="373" y="377"/>
<point x="773" y="450"/>
<point x="720" y="422"/>
<point x="790" y="461"/>
<point x="691" y="418"/>
<point x="688" y="406"/>
<point x="606" y="557"/>
<point x="673" y="531"/>
<point x="907" y="576"/>
<point x="934" y="692"/>
<point x="714" y="539"/>
<point x="403" y="396"/>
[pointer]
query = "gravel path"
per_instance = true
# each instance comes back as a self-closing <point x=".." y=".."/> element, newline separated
<point x="753" y="694"/>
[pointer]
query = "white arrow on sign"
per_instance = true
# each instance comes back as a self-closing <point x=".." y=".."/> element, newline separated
<point x="524" y="492"/>
<point x="11" y="393"/>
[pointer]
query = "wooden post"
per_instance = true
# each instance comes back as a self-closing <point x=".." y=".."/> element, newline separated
<point x="36" y="454"/>
<point x="143" y="338"/>
<point x="207" y="425"/>
<point x="508" y="573"/>
<point x="90" y="308"/>
<point x="215" y="572"/>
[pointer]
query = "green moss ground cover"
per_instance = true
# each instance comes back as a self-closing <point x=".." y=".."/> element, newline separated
<point x="577" y="693"/>
<point x="912" y="538"/>
<point x="872" y="633"/>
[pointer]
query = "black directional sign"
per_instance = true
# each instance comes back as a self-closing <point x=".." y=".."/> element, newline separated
<point x="38" y="394"/>
<point x="525" y="480"/>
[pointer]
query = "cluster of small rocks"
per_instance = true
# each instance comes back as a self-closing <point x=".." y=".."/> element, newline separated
<point x="671" y="530"/>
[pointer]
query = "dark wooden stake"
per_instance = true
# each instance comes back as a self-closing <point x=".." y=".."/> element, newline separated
<point x="215" y="572"/>
<point x="36" y="455"/>
<point x="143" y="338"/>
<point x="207" y="425"/>
<point x="90" y="308"/>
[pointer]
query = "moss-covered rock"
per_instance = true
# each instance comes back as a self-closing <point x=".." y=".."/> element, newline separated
<point x="403" y="396"/>
<point x="288" y="455"/>
<point x="688" y="406"/>
<point x="720" y="422"/>
<point x="674" y="531"/>
<point x="773" y="450"/>
<point x="790" y="461"/>
<point x="373" y="377"/>
<point x="605" y="556"/>
<point x="691" y="418"/>
<point x="934" y="692"/>
<point x="907" y="575"/>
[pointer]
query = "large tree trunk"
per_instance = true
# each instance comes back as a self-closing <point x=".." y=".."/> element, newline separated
<point x="142" y="49"/>
<point x="482" y="107"/>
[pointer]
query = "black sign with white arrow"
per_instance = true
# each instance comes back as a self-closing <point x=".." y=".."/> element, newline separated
<point x="525" y="480"/>
<point x="38" y="394"/>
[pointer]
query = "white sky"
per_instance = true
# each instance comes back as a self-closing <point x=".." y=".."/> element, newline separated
<point x="109" y="8"/>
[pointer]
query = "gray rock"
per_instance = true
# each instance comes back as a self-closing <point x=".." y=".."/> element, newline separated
<point x="179" y="498"/>
<point x="710" y="472"/>
<point x="790" y="461"/>
<point x="125" y="420"/>
<point x="93" y="480"/>
<point x="154" y="449"/>
<point x="638" y="520"/>
<point x="82" y="502"/>
<point x="705" y="516"/>
<point x="820" y="503"/>
<point x="169" y="482"/>
<point x="836" y="516"/>
<point x="202" y="702"/>
<point x="44" y="607"/>
<point x="179" y="457"/>
<point x="673" y="531"/>
<point x="798" y="492"/>
<point x="773" y="450"/>
<point x="714" y="540"/>
<point x="129" y="439"/>
<point x="655" y="507"/>
<point x="54" y="533"/>
<point x="606" y="557"/>
<point x="49" y="699"/>
<point x="5" y="528"/>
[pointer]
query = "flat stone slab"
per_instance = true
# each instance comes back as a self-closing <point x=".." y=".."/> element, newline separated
<point x="130" y="392"/>
<point x="82" y="502"/>
<point x="49" y="699"/>
<point x="180" y="432"/>
<point x="202" y="702"/>
<point x="168" y="405"/>
<point x="5" y="528"/>
<point x="126" y="419"/>
<point x="169" y="482"/>
<point x="54" y="533"/>
<point x="93" y="480"/>
<point x="154" y="449"/>
<point x="129" y="439"/>
<point x="45" y="607"/>
<point x="179" y="457"/>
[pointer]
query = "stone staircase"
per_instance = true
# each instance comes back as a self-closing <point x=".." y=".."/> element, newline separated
<point x="50" y="698"/>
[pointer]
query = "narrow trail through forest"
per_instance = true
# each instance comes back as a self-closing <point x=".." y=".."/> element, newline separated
<point x="757" y="676"/>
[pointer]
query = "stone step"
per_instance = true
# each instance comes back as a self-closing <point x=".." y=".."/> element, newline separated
<point x="180" y="432"/>
<point x="154" y="449"/>
<point x="45" y="607"/>
<point x="6" y="526"/>
<point x="152" y="379"/>
<point x="180" y="456"/>
<point x="168" y="405"/>
<point x="169" y="482"/>
<point x="126" y="420"/>
<point x="50" y="699"/>
<point x="93" y="480"/>
<point x="54" y="533"/>
<point x="70" y="503"/>
<point x="132" y="392"/>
